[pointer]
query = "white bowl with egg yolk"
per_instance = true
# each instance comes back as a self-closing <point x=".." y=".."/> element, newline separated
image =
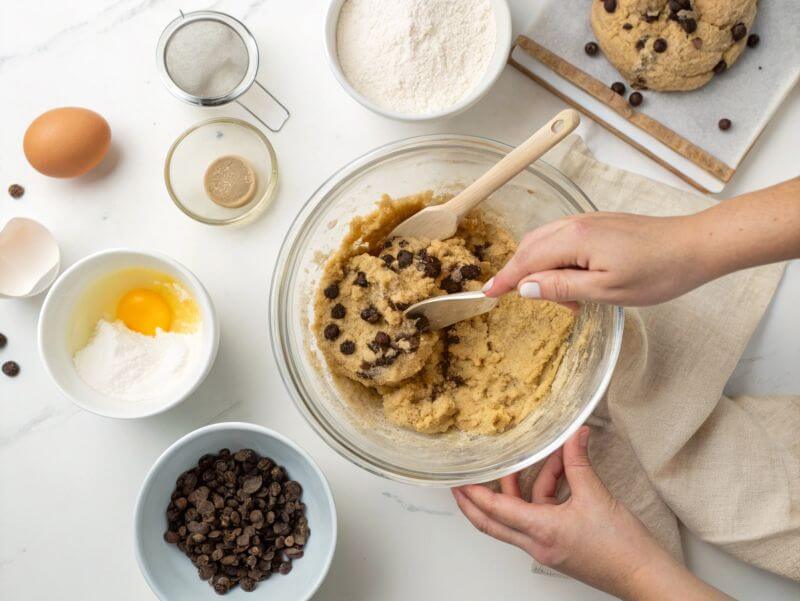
<point x="59" y="311"/>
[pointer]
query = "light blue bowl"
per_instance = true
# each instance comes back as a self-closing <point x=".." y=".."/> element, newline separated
<point x="171" y="574"/>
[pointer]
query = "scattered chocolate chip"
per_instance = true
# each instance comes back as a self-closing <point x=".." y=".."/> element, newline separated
<point x="618" y="87"/>
<point x="739" y="31"/>
<point x="338" y="311"/>
<point x="627" y="27"/>
<point x="422" y="324"/>
<point x="11" y="368"/>
<point x="348" y="347"/>
<point x="3" y="340"/>
<point x="689" y="25"/>
<point x="431" y="266"/>
<point x="660" y="45"/>
<point x="388" y="259"/>
<point x="635" y="99"/>
<point x="331" y="331"/>
<point x="720" y="67"/>
<point x="361" y="280"/>
<point x="404" y="259"/>
<point x="725" y="124"/>
<point x="752" y="40"/>
<point x="610" y="5"/>
<point x="470" y="272"/>
<point x="331" y="291"/>
<point x="591" y="48"/>
<point x="450" y="285"/>
<point x="16" y="191"/>
<point x="382" y="339"/>
<point x="697" y="43"/>
<point x="371" y="315"/>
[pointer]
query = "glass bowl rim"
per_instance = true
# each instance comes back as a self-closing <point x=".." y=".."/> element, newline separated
<point x="279" y="332"/>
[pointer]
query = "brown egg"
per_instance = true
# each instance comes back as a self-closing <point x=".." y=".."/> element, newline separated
<point x="66" y="142"/>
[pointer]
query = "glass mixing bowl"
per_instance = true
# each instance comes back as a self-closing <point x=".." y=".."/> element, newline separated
<point x="356" y="428"/>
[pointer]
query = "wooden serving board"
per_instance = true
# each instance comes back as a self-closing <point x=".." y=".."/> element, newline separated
<point x="676" y="129"/>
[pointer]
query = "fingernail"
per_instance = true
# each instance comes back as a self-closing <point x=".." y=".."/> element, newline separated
<point x="583" y="437"/>
<point x="487" y="285"/>
<point x="530" y="290"/>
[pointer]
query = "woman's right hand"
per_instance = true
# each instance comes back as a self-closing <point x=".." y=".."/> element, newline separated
<point x="615" y="258"/>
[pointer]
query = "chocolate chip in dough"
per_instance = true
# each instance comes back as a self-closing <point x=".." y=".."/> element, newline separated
<point x="689" y="25"/>
<point x="331" y="331"/>
<point x="635" y="99"/>
<point x="752" y="40"/>
<point x="697" y="43"/>
<point x="348" y="347"/>
<point x="610" y="5"/>
<point x="16" y="191"/>
<point x="371" y="315"/>
<point x="388" y="259"/>
<point x="591" y="48"/>
<point x="450" y="285"/>
<point x="627" y="27"/>
<point x="739" y="31"/>
<point x="725" y="124"/>
<point x="11" y="369"/>
<point x="660" y="45"/>
<point x="422" y="324"/>
<point x="641" y="42"/>
<point x="431" y="266"/>
<point x="382" y="339"/>
<point x="470" y="272"/>
<point x="361" y="280"/>
<point x="331" y="291"/>
<point x="338" y="311"/>
<point x="618" y="87"/>
<point x="404" y="259"/>
<point x="720" y="67"/>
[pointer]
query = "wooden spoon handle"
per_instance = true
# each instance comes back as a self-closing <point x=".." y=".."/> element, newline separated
<point x="555" y="130"/>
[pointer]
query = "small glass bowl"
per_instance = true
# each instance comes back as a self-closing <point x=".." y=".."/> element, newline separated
<point x="196" y="148"/>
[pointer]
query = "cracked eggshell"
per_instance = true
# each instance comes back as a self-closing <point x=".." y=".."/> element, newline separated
<point x="29" y="258"/>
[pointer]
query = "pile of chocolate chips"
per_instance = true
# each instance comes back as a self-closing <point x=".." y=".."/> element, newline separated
<point x="238" y="518"/>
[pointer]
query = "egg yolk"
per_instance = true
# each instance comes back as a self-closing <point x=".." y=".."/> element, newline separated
<point x="143" y="311"/>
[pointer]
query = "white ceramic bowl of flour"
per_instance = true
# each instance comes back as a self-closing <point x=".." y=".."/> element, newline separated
<point x="59" y="309"/>
<point x="392" y="62"/>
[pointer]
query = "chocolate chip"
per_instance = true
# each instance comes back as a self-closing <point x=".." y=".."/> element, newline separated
<point x="11" y="369"/>
<point x="404" y="259"/>
<point x="403" y="243"/>
<point x="452" y="339"/>
<point x="348" y="347"/>
<point x="618" y="87"/>
<point x="651" y="16"/>
<point x="660" y="45"/>
<point x="470" y="272"/>
<point x="431" y="266"/>
<point x="387" y="244"/>
<point x="332" y="291"/>
<point x="388" y="259"/>
<point x="338" y="311"/>
<point x="401" y="306"/>
<point x="635" y="99"/>
<point x="752" y="40"/>
<point x="674" y="5"/>
<point x="739" y="31"/>
<point x="361" y="280"/>
<point x="422" y="324"/>
<point x="3" y="340"/>
<point x="382" y="339"/>
<point x="725" y="124"/>
<point x="627" y="27"/>
<point x="641" y="42"/>
<point x="720" y="67"/>
<point x="591" y="48"/>
<point x="610" y="5"/>
<point x="697" y="43"/>
<point x="16" y="191"/>
<point x="331" y="331"/>
<point x="371" y="315"/>
<point x="450" y="286"/>
<point x="689" y="25"/>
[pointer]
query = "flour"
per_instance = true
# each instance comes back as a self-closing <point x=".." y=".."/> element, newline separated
<point x="415" y="56"/>
<point x="133" y="367"/>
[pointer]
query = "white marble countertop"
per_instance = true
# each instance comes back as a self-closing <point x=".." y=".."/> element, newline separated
<point x="70" y="478"/>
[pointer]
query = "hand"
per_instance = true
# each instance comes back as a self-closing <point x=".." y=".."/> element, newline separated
<point x="590" y="536"/>
<point x="612" y="258"/>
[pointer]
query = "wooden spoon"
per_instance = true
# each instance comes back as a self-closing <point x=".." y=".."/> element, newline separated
<point x="441" y="221"/>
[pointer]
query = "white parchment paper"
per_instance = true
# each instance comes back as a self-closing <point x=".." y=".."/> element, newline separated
<point x="748" y="93"/>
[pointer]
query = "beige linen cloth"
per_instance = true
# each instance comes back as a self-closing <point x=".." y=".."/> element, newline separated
<point x="666" y="441"/>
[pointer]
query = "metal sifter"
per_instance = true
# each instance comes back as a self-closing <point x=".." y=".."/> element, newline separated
<point x="209" y="58"/>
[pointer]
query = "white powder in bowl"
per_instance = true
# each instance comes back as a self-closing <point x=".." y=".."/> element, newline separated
<point x="415" y="56"/>
<point x="130" y="366"/>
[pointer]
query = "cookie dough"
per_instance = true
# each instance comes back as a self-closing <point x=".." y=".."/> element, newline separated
<point x="672" y="45"/>
<point x="481" y="375"/>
